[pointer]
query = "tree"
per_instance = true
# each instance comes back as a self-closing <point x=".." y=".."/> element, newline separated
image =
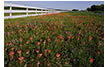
<point x="75" y="10"/>
<point x="88" y="9"/>
<point x="93" y="8"/>
<point x="96" y="8"/>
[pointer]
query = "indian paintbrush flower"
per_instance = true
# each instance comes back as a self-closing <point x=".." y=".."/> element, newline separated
<point x="38" y="43"/>
<point x="31" y="38"/>
<point x="20" y="59"/>
<point x="91" y="60"/>
<point x="83" y="42"/>
<point x="27" y="52"/>
<point x="90" y="38"/>
<point x="57" y="55"/>
<point x="11" y="53"/>
<point x="19" y="52"/>
<point x="27" y="42"/>
<point x="40" y="55"/>
<point x="37" y="51"/>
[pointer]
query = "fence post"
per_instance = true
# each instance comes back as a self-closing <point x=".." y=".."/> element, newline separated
<point x="36" y="11"/>
<point x="27" y="11"/>
<point x="42" y="12"/>
<point x="10" y="14"/>
<point x="48" y="11"/>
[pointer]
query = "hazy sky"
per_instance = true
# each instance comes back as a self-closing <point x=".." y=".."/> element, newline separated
<point x="69" y="5"/>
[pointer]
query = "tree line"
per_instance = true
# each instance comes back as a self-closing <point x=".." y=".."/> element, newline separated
<point x="93" y="8"/>
<point x="96" y="8"/>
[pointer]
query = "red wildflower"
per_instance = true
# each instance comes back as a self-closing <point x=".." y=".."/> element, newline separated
<point x="98" y="52"/>
<point x="53" y="33"/>
<point x="100" y="43"/>
<point x="11" y="53"/>
<point x="91" y="60"/>
<point x="30" y="65"/>
<point x="16" y="22"/>
<point x="20" y="39"/>
<point x="48" y="28"/>
<point x="38" y="63"/>
<point x="27" y="42"/>
<point x="44" y="42"/>
<point x="80" y="32"/>
<point x="8" y="33"/>
<point x="57" y="55"/>
<point x="36" y="26"/>
<point x="84" y="43"/>
<point x="42" y="33"/>
<point x="20" y="45"/>
<point x="72" y="37"/>
<point x="38" y="43"/>
<point x="85" y="30"/>
<point x="41" y="40"/>
<point x="69" y="37"/>
<point x="90" y="38"/>
<point x="27" y="52"/>
<point x="32" y="25"/>
<point x="40" y="55"/>
<point x="63" y="38"/>
<point x="45" y="50"/>
<point x="6" y="49"/>
<point x="66" y="62"/>
<point x="49" y="51"/>
<point x="78" y="38"/>
<point x="37" y="51"/>
<point x="49" y="64"/>
<point x="60" y="36"/>
<point x="101" y="37"/>
<point x="21" y="58"/>
<point x="57" y="40"/>
<point x="48" y="39"/>
<point x="96" y="31"/>
<point x="19" y="51"/>
<point x="31" y="38"/>
<point x="10" y="43"/>
<point x="12" y="48"/>
<point x="7" y="44"/>
<point x="9" y="23"/>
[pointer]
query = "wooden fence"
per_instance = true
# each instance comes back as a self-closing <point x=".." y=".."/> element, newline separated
<point x="11" y="9"/>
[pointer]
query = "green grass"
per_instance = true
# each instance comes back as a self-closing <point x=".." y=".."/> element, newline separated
<point x="32" y="13"/>
<point x="14" y="14"/>
<point x="6" y="14"/>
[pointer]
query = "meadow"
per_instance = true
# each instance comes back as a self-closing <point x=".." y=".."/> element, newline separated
<point x="68" y="39"/>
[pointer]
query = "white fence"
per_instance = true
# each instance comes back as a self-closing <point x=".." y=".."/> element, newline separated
<point x="36" y="10"/>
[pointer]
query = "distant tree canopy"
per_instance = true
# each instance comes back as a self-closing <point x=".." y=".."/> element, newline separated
<point x="75" y="10"/>
<point x="96" y="8"/>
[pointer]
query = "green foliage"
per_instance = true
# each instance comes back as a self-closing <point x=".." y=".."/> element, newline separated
<point x="75" y="10"/>
<point x="96" y="8"/>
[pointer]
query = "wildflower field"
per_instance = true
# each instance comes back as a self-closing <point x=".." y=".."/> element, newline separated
<point x="69" y="39"/>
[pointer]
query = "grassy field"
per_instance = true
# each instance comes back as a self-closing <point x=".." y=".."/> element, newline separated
<point x="15" y="14"/>
<point x="70" y="39"/>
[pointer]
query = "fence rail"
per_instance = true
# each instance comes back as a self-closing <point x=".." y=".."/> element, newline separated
<point x="36" y="10"/>
<point x="21" y="11"/>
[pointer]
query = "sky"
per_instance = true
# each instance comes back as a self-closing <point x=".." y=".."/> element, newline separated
<point x="68" y="5"/>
